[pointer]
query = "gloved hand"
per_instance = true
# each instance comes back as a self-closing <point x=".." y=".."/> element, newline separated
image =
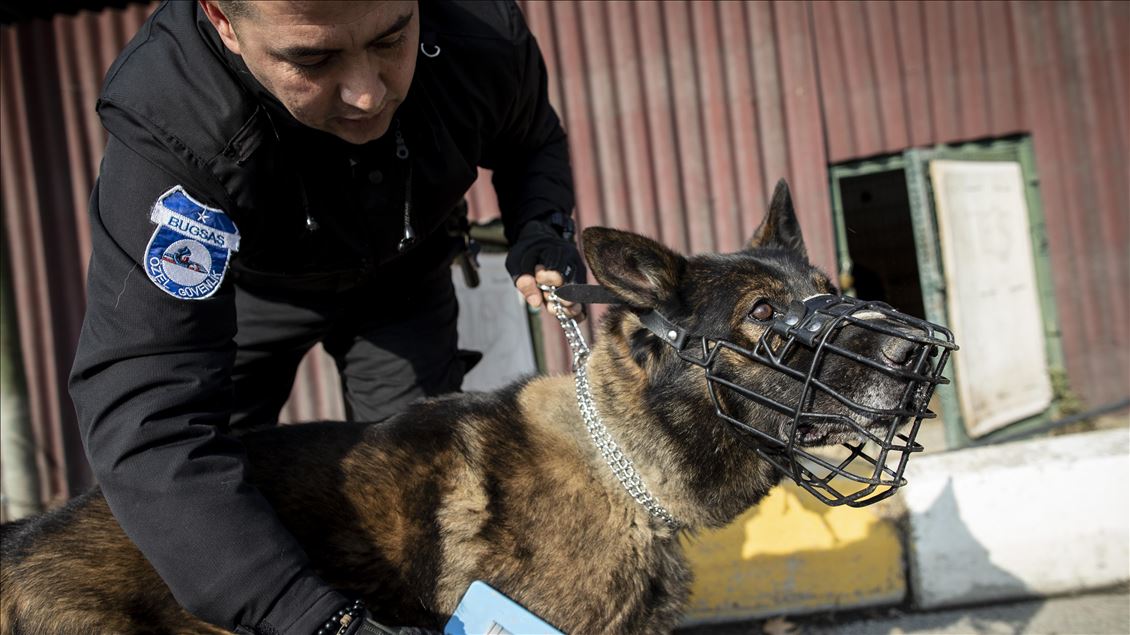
<point x="541" y="243"/>
<point x="541" y="255"/>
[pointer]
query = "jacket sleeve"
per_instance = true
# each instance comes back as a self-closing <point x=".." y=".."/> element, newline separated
<point x="532" y="176"/>
<point x="152" y="385"/>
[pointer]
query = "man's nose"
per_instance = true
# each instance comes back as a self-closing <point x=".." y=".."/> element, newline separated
<point x="362" y="88"/>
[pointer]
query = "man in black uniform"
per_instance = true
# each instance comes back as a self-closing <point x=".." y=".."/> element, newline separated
<point x="277" y="175"/>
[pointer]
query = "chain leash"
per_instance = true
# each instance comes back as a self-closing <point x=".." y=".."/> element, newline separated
<point x="621" y="465"/>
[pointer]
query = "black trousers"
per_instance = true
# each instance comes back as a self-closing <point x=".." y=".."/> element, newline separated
<point x="392" y="345"/>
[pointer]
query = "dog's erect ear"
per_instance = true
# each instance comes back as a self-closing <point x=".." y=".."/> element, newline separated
<point x="780" y="228"/>
<point x="639" y="270"/>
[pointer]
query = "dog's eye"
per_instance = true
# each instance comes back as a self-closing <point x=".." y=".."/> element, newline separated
<point x="762" y="311"/>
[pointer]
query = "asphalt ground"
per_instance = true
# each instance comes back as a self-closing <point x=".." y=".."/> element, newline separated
<point x="1097" y="613"/>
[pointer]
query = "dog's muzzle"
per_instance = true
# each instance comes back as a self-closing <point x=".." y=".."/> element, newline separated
<point x="909" y="352"/>
<point x="905" y="353"/>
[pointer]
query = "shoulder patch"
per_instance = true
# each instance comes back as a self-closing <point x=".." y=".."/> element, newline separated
<point x="189" y="252"/>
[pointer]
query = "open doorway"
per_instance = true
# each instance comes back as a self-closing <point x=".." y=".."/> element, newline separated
<point x="880" y="241"/>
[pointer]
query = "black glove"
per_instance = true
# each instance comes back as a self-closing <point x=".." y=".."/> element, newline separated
<point x="541" y="243"/>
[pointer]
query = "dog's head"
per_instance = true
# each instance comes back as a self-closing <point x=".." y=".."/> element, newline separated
<point x="761" y="340"/>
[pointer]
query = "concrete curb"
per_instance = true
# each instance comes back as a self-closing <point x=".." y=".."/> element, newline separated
<point x="1021" y="519"/>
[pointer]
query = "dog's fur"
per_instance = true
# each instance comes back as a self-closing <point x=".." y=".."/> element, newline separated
<point x="506" y="487"/>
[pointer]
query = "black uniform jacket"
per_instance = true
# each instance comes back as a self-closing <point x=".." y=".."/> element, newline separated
<point x="151" y="379"/>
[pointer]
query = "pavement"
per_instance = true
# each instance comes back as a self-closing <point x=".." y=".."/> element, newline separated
<point x="1104" y="612"/>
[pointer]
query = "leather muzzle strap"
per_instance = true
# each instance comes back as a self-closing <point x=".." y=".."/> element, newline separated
<point x="652" y="320"/>
<point x="588" y="294"/>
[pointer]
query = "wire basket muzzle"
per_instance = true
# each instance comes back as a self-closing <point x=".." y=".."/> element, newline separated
<point x="833" y="394"/>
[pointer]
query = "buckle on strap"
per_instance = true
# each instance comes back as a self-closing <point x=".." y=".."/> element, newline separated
<point x="664" y="329"/>
<point x="807" y="320"/>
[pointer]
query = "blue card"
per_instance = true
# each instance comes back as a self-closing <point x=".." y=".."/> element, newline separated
<point x="484" y="611"/>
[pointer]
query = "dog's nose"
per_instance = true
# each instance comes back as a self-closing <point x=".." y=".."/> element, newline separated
<point x="897" y="351"/>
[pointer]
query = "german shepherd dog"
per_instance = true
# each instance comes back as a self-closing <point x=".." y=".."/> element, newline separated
<point x="509" y="487"/>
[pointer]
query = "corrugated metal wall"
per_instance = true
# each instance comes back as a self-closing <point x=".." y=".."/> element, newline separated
<point x="681" y="116"/>
<point x="900" y="74"/>
<point x="50" y="146"/>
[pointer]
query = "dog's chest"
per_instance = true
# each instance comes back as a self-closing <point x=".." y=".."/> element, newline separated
<point x="631" y="588"/>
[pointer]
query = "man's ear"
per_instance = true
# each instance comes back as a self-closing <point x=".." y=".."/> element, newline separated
<point x="639" y="270"/>
<point x="221" y="23"/>
<point x="780" y="228"/>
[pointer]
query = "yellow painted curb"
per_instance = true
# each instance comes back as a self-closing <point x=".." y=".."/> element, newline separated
<point x="793" y="554"/>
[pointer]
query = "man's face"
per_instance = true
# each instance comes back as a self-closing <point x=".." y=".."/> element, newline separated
<point x="339" y="67"/>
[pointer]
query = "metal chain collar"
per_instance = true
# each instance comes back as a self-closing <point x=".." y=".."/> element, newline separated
<point x="621" y="465"/>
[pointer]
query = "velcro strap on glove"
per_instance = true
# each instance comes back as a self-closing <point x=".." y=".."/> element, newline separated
<point x="539" y="243"/>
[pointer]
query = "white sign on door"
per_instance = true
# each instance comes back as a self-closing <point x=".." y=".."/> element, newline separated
<point x="991" y="293"/>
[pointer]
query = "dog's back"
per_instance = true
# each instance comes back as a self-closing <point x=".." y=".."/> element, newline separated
<point x="58" y="567"/>
<point x="503" y="487"/>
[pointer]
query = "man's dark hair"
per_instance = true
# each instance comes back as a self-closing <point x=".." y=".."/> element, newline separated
<point x="235" y="9"/>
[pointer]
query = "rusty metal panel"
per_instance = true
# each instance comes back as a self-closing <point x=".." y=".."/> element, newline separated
<point x="51" y="143"/>
<point x="886" y="58"/>
<point x="972" y="90"/>
<point x="316" y="395"/>
<point x="746" y="168"/>
<point x="1002" y="75"/>
<point x="1057" y="71"/>
<point x="913" y="75"/>
<point x="801" y="104"/>
<point x="681" y="116"/>
<point x="941" y="60"/>
<point x="897" y="75"/>
<point x="42" y="250"/>
<point x="839" y="129"/>
<point x="1078" y="129"/>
